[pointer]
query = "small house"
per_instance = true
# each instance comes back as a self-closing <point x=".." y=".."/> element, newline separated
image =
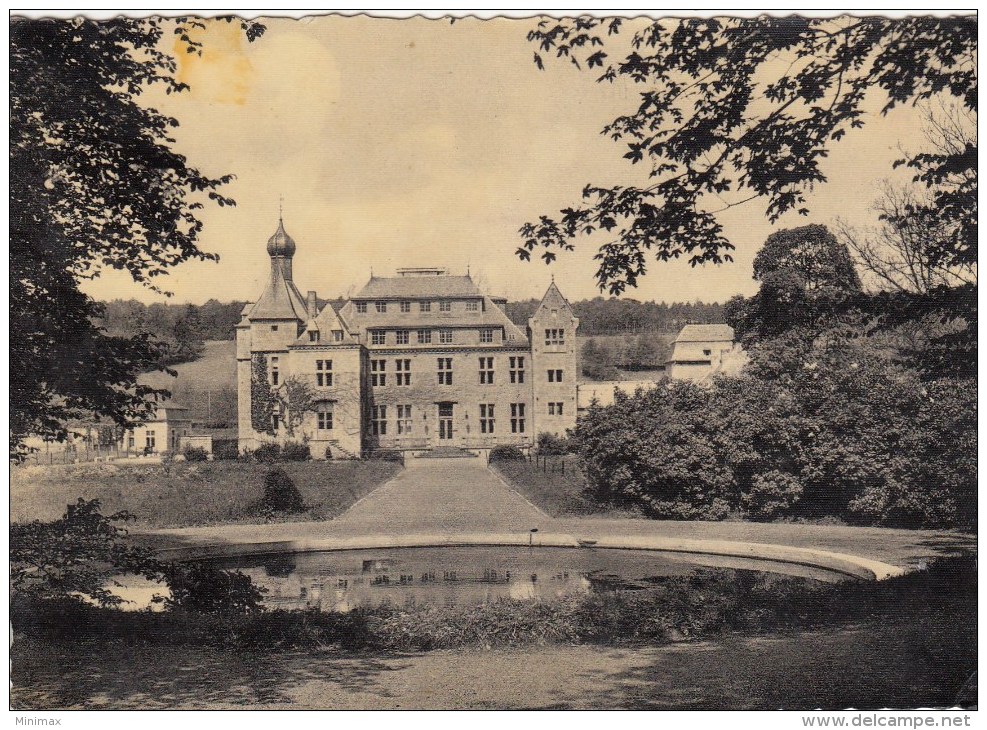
<point x="701" y="350"/>
<point x="163" y="432"/>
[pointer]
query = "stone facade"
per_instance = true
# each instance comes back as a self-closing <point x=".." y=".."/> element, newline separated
<point x="411" y="362"/>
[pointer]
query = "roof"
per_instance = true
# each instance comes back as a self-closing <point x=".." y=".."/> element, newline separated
<point x="281" y="244"/>
<point x="553" y="299"/>
<point x="418" y="287"/>
<point x="280" y="300"/>
<point x="706" y="333"/>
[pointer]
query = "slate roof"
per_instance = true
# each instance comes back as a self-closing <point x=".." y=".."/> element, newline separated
<point x="418" y="287"/>
<point x="280" y="300"/>
<point x="706" y="333"/>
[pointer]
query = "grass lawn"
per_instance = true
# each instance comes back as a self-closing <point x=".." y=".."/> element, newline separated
<point x="190" y="494"/>
<point x="555" y="484"/>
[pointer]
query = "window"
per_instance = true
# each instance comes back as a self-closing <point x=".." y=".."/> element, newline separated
<point x="275" y="373"/>
<point x="379" y="421"/>
<point x="445" y="306"/>
<point x="324" y="416"/>
<point x="378" y="376"/>
<point x="472" y="306"/>
<point x="707" y="353"/>
<point x="486" y="371"/>
<point x="486" y="418"/>
<point x="517" y="370"/>
<point x="554" y="337"/>
<point x="517" y="417"/>
<point x="445" y="370"/>
<point x="313" y="336"/>
<point x="323" y="373"/>
<point x="378" y="337"/>
<point x="361" y="307"/>
<point x="401" y="337"/>
<point x="405" y="307"/>
<point x="424" y="337"/>
<point x="404" y="419"/>
<point x="555" y="409"/>
<point x="424" y="306"/>
<point x="149" y="439"/>
<point x="337" y="335"/>
<point x="445" y="337"/>
<point x="274" y="328"/>
<point x="554" y="376"/>
<point x="381" y="307"/>
<point x="130" y="440"/>
<point x="404" y="372"/>
<point x="486" y="336"/>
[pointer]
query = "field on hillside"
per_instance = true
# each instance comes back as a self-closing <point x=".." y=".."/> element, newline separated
<point x="207" y="386"/>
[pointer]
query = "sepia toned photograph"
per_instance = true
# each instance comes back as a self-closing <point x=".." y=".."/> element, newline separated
<point x="456" y="361"/>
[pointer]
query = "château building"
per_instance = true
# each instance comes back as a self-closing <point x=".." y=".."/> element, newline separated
<point x="413" y="362"/>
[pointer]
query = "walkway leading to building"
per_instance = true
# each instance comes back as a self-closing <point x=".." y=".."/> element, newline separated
<point x="442" y="496"/>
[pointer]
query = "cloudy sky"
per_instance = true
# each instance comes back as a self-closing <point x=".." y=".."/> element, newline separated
<point x="418" y="142"/>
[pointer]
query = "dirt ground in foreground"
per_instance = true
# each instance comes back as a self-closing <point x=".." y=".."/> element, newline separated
<point x="862" y="667"/>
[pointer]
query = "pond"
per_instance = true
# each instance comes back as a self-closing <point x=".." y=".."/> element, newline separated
<point x="457" y="576"/>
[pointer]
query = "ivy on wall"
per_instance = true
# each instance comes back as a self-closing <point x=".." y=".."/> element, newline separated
<point x="261" y="397"/>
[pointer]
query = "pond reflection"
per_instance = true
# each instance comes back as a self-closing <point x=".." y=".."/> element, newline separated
<point x="451" y="576"/>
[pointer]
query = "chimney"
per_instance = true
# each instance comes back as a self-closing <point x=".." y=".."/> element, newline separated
<point x="312" y="305"/>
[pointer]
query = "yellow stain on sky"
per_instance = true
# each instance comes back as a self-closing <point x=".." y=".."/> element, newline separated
<point x="219" y="71"/>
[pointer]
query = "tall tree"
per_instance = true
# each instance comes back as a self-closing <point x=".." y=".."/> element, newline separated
<point x="737" y="109"/>
<point x="95" y="183"/>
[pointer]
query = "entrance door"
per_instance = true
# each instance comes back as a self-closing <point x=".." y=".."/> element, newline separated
<point x="445" y="421"/>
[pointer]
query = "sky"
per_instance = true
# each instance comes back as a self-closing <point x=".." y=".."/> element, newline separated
<point x="416" y="142"/>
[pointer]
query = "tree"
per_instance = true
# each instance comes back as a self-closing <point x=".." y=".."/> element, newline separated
<point x="75" y="556"/>
<point x="94" y="183"/>
<point x="738" y="109"/>
<point x="807" y="278"/>
<point x="909" y="250"/>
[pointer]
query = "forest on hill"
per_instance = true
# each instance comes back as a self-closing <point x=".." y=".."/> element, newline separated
<point x="184" y="328"/>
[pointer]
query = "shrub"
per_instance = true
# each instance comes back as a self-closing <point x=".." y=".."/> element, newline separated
<point x="280" y="493"/>
<point x="294" y="451"/>
<point x="505" y="452"/>
<point x="772" y="494"/>
<point x="225" y="450"/>
<point x="267" y="453"/>
<point x="202" y="588"/>
<point x="195" y="453"/>
<point x="386" y="455"/>
<point x="551" y="445"/>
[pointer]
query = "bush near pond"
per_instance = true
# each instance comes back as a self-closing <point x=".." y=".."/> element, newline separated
<point x="936" y="606"/>
<point x="190" y="494"/>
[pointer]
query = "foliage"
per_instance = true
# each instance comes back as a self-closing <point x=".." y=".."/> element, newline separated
<point x="385" y="455"/>
<point x="262" y="399"/>
<point x="294" y="451"/>
<point x="202" y="588"/>
<point x="75" y="556"/>
<point x="280" y="493"/>
<point x="213" y="320"/>
<point x="656" y="450"/>
<point x="722" y="121"/>
<point x="225" y="450"/>
<point x="506" y="452"/>
<point x="195" y="454"/>
<point x="267" y="453"/>
<point x="295" y="399"/>
<point x="599" y="316"/>
<point x="95" y="184"/>
<point x="551" y="445"/>
<point x="807" y="279"/>
<point x="772" y="494"/>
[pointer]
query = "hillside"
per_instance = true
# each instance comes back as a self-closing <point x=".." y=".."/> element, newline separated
<point x="206" y="386"/>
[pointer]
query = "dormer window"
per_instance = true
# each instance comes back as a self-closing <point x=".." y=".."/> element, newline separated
<point x="361" y="307"/>
<point x="445" y="306"/>
<point x="405" y="307"/>
<point x="313" y="336"/>
<point x="337" y="335"/>
<point x="472" y="306"/>
<point x="424" y="306"/>
<point x="381" y="307"/>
